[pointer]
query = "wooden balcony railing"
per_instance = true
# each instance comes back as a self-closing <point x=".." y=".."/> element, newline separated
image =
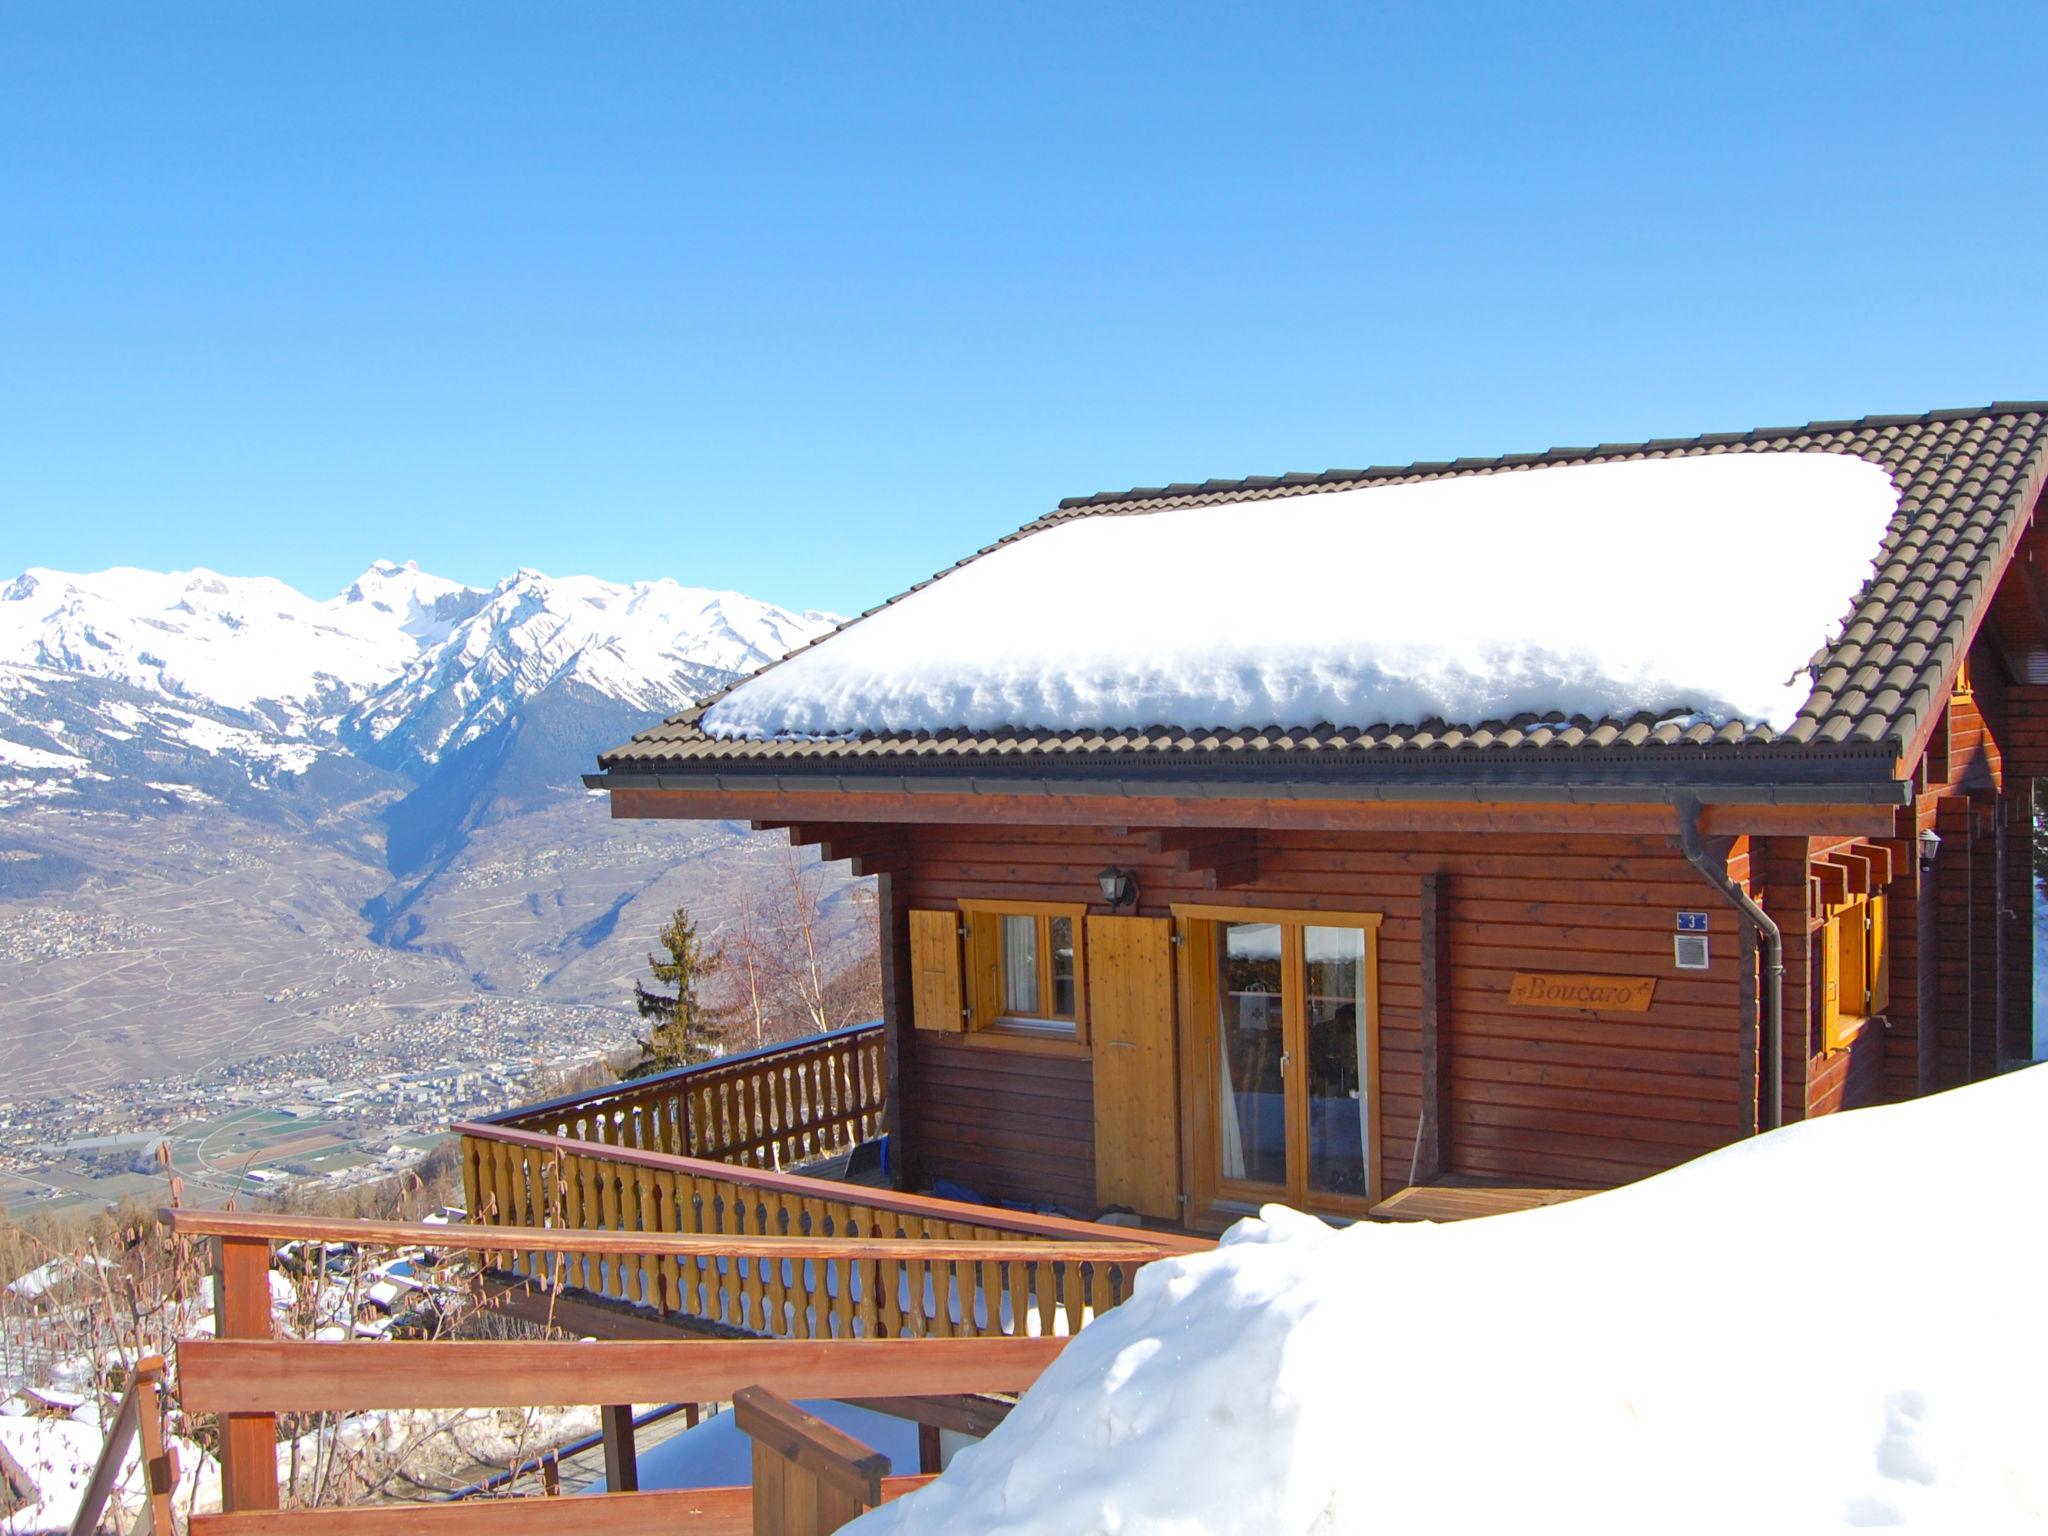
<point x="248" y="1378"/>
<point x="782" y="1256"/>
<point x="778" y="1107"/>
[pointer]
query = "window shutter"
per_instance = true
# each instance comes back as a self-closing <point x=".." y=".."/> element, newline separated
<point x="935" y="1001"/>
<point x="1831" y="983"/>
<point x="984" y="969"/>
<point x="1878" y="957"/>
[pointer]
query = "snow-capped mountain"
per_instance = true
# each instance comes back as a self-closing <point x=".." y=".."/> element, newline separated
<point x="445" y="705"/>
<point x="248" y="645"/>
<point x="653" y="646"/>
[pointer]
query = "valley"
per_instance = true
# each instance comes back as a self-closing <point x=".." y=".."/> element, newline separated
<point x="286" y="887"/>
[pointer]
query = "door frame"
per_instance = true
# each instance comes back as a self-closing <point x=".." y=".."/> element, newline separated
<point x="1209" y="1199"/>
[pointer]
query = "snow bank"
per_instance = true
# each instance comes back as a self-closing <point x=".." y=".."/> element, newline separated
<point x="1597" y="590"/>
<point x="1833" y="1326"/>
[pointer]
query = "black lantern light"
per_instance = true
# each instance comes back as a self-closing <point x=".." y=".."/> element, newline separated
<point x="1118" y="886"/>
<point x="1930" y="845"/>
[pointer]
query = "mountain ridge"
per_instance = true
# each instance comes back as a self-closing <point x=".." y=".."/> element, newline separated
<point x="235" y="819"/>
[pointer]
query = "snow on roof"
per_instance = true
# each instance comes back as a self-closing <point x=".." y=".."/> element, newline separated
<point x="1683" y="586"/>
<point x="44" y="1278"/>
<point x="1779" y="1336"/>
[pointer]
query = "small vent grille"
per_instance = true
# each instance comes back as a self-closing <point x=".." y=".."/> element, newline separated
<point x="1690" y="950"/>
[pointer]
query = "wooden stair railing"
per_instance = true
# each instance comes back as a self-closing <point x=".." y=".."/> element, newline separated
<point x="809" y="1478"/>
<point x="248" y="1378"/>
<point x="775" y="1108"/>
<point x="1026" y="1274"/>
<point x="139" y="1418"/>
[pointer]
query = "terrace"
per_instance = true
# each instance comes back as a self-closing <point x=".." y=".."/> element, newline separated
<point x="658" y="1224"/>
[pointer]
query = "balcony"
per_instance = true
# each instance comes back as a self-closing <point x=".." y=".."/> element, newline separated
<point x="701" y="1154"/>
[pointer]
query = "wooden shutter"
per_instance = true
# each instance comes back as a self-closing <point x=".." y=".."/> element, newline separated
<point x="935" y="1001"/>
<point x="1831" y="983"/>
<point x="984" y="969"/>
<point x="1877" y="957"/>
<point x="1130" y="1011"/>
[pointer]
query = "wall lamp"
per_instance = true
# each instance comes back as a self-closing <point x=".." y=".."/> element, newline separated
<point x="1118" y="887"/>
<point x="1930" y="845"/>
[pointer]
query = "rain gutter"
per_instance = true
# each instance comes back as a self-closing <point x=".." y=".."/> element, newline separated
<point x="1715" y="873"/>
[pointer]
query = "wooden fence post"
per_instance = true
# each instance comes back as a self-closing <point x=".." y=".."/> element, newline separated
<point x="241" y="1310"/>
<point x="621" y="1455"/>
<point x="809" y="1478"/>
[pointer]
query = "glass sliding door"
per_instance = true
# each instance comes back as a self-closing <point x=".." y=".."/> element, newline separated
<point x="1281" y="1091"/>
<point x="1251" y="1041"/>
<point x="1339" y="1126"/>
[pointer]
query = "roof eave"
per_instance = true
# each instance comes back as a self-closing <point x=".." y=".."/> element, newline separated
<point x="1472" y="788"/>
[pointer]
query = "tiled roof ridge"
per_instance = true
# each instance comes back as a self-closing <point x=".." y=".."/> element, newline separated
<point x="1432" y="468"/>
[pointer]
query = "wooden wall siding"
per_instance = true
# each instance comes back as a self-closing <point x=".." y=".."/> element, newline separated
<point x="1011" y="1125"/>
<point x="1900" y="1077"/>
<point x="1778" y="880"/>
<point x="1536" y="1095"/>
<point x="2023" y="733"/>
<point x="900" y="1060"/>
<point x="1975" y="761"/>
<point x="1954" y="966"/>
<point x="1987" y="954"/>
<point x="2016" y="917"/>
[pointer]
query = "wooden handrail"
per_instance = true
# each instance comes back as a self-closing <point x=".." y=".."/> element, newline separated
<point x="929" y="1207"/>
<point x="692" y="1511"/>
<point x="591" y="1098"/>
<point x="140" y="1416"/>
<point x="777" y="1107"/>
<point x="187" y="1222"/>
<point x="270" y="1376"/>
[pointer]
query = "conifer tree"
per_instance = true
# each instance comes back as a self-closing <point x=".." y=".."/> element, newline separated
<point x="685" y="1029"/>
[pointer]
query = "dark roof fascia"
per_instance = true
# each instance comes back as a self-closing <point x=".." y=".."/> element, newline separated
<point x="1466" y="789"/>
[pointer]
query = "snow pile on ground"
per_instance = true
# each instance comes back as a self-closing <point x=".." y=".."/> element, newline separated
<point x="57" y="1456"/>
<point x="1831" y="1326"/>
<point x="1599" y="590"/>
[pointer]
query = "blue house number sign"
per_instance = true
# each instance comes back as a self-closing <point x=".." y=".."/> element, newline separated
<point x="1692" y="922"/>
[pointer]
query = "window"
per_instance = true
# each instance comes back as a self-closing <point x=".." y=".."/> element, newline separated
<point x="1026" y="971"/>
<point x="1854" y="966"/>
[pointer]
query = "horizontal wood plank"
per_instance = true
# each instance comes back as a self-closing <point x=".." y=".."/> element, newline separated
<point x="292" y="1376"/>
<point x="699" y="1511"/>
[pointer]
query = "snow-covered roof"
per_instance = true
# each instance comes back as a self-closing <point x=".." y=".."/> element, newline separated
<point x="44" y="1278"/>
<point x="1800" y="592"/>
<point x="1595" y="590"/>
<point x="1720" y="1348"/>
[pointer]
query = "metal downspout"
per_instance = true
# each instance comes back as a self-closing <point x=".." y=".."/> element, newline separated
<point x="1773" y="1107"/>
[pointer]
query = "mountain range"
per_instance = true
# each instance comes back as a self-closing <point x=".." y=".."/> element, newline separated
<point x="412" y="746"/>
<point x="449" y="704"/>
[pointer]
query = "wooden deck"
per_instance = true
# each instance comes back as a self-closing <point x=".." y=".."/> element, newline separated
<point x="1463" y="1201"/>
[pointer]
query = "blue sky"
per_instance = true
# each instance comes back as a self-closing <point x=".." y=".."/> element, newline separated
<point x="810" y="302"/>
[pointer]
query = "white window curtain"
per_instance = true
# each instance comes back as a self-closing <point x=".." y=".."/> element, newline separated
<point x="1020" y="965"/>
<point x="1228" y="1129"/>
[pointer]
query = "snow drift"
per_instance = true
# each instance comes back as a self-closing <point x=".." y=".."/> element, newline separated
<point x="1600" y="590"/>
<point x="1831" y="1326"/>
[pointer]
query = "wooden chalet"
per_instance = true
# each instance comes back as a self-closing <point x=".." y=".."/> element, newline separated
<point x="1531" y="954"/>
<point x="1373" y="969"/>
